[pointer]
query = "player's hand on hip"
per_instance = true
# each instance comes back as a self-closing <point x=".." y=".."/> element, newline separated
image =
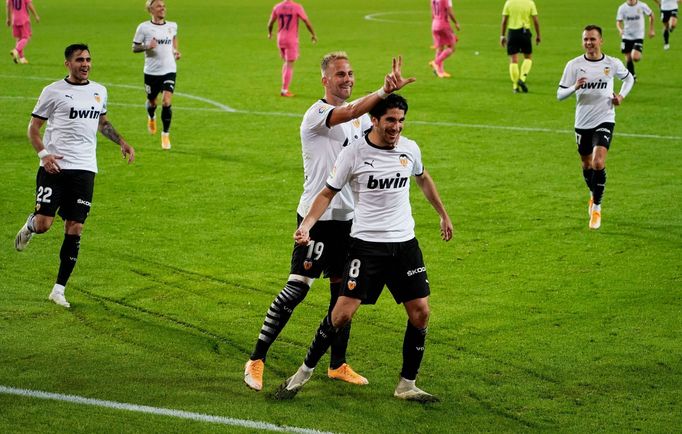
<point x="50" y="163"/>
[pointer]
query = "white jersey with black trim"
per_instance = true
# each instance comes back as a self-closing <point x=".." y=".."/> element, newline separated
<point x="633" y="18"/>
<point x="160" y="60"/>
<point x="380" y="181"/>
<point x="668" y="5"/>
<point x="72" y="112"/>
<point x="593" y="100"/>
<point x="321" y="145"/>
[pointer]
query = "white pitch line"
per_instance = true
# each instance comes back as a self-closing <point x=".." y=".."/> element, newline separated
<point x="225" y="108"/>
<point x="201" y="417"/>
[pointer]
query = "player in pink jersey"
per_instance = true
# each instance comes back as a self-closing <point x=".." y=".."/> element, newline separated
<point x="444" y="38"/>
<point x="287" y="14"/>
<point x="19" y="19"/>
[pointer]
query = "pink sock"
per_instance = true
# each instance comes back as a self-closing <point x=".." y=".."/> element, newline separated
<point x="440" y="57"/>
<point x="287" y="73"/>
<point x="21" y="43"/>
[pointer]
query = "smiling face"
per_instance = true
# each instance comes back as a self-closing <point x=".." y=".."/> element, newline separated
<point x="158" y="10"/>
<point x="386" y="129"/>
<point x="79" y="65"/>
<point x="338" y="81"/>
<point x="592" y="42"/>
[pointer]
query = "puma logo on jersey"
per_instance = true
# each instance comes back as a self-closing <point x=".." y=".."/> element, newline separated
<point x="84" y="114"/>
<point x="386" y="183"/>
<point x="595" y="85"/>
<point x="369" y="164"/>
<point x="68" y="96"/>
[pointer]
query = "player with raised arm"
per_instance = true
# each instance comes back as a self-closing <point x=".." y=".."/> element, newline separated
<point x="668" y="18"/>
<point x="384" y="250"/>
<point x="158" y="40"/>
<point x="287" y="13"/>
<point x="591" y="76"/>
<point x="327" y="127"/>
<point x="443" y="36"/>
<point x="74" y="108"/>
<point x="630" y="24"/>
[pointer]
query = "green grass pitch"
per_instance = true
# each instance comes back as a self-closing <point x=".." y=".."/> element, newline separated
<point x="538" y="323"/>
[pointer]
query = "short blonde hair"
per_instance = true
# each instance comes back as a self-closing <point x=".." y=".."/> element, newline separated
<point x="148" y="5"/>
<point x="331" y="57"/>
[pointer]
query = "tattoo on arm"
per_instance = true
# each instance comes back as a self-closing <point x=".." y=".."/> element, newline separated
<point x="109" y="132"/>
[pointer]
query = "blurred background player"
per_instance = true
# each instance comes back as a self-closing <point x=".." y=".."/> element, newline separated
<point x="287" y="14"/>
<point x="669" y="19"/>
<point x="327" y="127"/>
<point x="590" y="76"/>
<point x="74" y="109"/>
<point x="18" y="17"/>
<point x="444" y="39"/>
<point x="630" y="24"/>
<point x="516" y="36"/>
<point x="158" y="39"/>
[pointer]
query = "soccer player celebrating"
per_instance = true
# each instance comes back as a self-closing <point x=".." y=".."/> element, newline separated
<point x="328" y="126"/>
<point x="158" y="39"/>
<point x="287" y="14"/>
<point x="75" y="108"/>
<point x="590" y="77"/>
<point x="19" y="19"/>
<point x="384" y="250"/>
<point x="669" y="19"/>
<point x="516" y="36"/>
<point x="443" y="36"/>
<point x="630" y="24"/>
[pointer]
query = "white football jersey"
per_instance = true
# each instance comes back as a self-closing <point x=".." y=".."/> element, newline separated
<point x="668" y="5"/>
<point x="72" y="112"/>
<point x="633" y="18"/>
<point x="380" y="181"/>
<point x="321" y="145"/>
<point x="593" y="100"/>
<point x="160" y="60"/>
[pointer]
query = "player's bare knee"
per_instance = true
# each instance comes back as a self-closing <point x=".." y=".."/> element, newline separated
<point x="42" y="223"/>
<point x="73" y="227"/>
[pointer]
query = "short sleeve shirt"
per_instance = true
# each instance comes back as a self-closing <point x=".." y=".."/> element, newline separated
<point x="160" y="60"/>
<point x="593" y="99"/>
<point x="380" y="181"/>
<point x="633" y="18"/>
<point x="321" y="145"/>
<point x="668" y="5"/>
<point x="439" y="14"/>
<point x="19" y="11"/>
<point x="287" y="15"/>
<point x="72" y="112"/>
<point x="519" y="13"/>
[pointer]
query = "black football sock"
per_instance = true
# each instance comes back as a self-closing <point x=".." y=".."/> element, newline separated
<point x="340" y="344"/>
<point x="278" y="315"/>
<point x="631" y="67"/>
<point x="151" y="110"/>
<point x="413" y="351"/>
<point x="666" y="36"/>
<point x="325" y="334"/>
<point x="587" y="176"/>
<point x="68" y="255"/>
<point x="599" y="185"/>
<point x="166" y="116"/>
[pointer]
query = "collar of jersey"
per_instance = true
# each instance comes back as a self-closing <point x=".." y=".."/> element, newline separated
<point x="66" y="79"/>
<point x="597" y="60"/>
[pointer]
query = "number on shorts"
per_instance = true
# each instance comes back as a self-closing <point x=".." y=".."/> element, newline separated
<point x="354" y="270"/>
<point x="44" y="194"/>
<point x="316" y="248"/>
<point x="578" y="138"/>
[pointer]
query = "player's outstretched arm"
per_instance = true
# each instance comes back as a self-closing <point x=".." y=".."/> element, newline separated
<point x="428" y="187"/>
<point x="392" y="82"/>
<point x="319" y="206"/>
<point x="110" y="133"/>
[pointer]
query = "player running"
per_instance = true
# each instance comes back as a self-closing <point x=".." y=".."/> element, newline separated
<point x="443" y="37"/>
